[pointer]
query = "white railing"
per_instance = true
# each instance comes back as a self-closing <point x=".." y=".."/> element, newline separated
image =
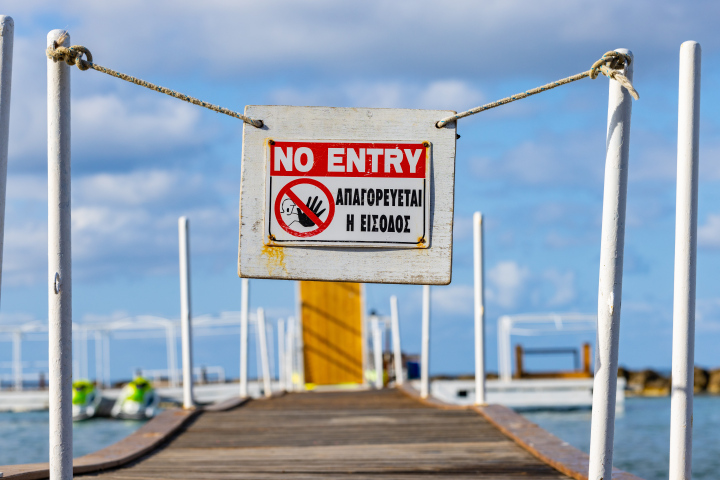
<point x="200" y="374"/>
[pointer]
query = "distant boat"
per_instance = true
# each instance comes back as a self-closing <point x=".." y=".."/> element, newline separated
<point x="138" y="400"/>
<point x="85" y="400"/>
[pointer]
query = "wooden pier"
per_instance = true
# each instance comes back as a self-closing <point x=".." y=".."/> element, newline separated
<point x="375" y="434"/>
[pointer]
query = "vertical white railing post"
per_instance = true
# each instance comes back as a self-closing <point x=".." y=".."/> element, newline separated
<point x="300" y="343"/>
<point x="377" y="351"/>
<point x="289" y="356"/>
<point x="59" y="263"/>
<point x="281" y="353"/>
<point x="612" y="246"/>
<point x="7" y="33"/>
<point x="479" y="310"/>
<point x="171" y="346"/>
<point x="106" y="358"/>
<point x="98" y="360"/>
<point x="683" y="349"/>
<point x="397" y="351"/>
<point x="85" y="369"/>
<point x="264" y="361"/>
<point x="425" y="348"/>
<point x="244" y="292"/>
<point x="185" y="319"/>
<point x="17" y="360"/>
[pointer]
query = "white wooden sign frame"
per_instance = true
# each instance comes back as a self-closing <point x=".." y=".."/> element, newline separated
<point x="426" y="266"/>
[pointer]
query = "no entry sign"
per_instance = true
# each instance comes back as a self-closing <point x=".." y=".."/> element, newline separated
<point x="365" y="194"/>
<point x="347" y="194"/>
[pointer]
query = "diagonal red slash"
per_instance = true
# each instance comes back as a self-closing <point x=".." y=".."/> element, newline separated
<point x="306" y="210"/>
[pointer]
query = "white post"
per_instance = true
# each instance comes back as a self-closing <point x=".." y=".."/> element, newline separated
<point x="377" y="351"/>
<point x="171" y="354"/>
<point x="281" y="353"/>
<point x="98" y="360"/>
<point x="683" y="349"/>
<point x="185" y="325"/>
<point x="7" y="31"/>
<point x="610" y="286"/>
<point x="244" y="293"/>
<point x="17" y="360"/>
<point x="397" y="351"/>
<point x="262" y="341"/>
<point x="299" y="342"/>
<point x="59" y="263"/>
<point x="290" y="355"/>
<point x="106" y="358"/>
<point x="479" y="310"/>
<point x="85" y="372"/>
<point x="425" y="353"/>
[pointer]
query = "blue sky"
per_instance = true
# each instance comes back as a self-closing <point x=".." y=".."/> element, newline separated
<point x="534" y="168"/>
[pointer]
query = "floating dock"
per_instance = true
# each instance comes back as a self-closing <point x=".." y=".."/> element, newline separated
<point x="378" y="434"/>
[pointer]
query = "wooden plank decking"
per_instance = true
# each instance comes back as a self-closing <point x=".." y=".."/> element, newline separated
<point x="358" y="435"/>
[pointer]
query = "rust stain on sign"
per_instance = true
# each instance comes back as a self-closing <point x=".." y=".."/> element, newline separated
<point x="275" y="257"/>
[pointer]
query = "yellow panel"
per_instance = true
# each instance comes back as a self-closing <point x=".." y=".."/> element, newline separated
<point x="332" y="332"/>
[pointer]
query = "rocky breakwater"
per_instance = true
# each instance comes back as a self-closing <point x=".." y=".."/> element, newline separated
<point x="651" y="383"/>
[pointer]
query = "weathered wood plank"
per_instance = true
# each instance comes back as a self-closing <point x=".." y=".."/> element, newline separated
<point x="370" y="434"/>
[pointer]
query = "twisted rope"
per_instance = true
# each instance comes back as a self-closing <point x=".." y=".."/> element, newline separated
<point x="611" y="65"/>
<point x="73" y="56"/>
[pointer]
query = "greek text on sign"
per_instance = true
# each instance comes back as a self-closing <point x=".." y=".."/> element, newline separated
<point x="345" y="193"/>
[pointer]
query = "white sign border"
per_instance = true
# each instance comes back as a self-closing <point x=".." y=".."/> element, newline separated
<point x="431" y="266"/>
<point x="426" y="238"/>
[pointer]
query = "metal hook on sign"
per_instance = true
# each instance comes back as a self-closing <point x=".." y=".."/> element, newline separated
<point x="57" y="283"/>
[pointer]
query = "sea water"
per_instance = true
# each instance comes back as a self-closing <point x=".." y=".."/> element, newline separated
<point x="24" y="436"/>
<point x="642" y="435"/>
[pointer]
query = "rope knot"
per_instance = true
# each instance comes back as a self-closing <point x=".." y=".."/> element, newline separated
<point x="611" y="65"/>
<point x="70" y="55"/>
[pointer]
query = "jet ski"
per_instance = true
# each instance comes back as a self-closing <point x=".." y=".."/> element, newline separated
<point x="137" y="401"/>
<point x="85" y="400"/>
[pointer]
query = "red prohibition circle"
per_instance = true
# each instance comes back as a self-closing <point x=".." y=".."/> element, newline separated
<point x="283" y="191"/>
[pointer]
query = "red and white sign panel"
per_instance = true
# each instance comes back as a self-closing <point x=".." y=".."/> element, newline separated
<point x="345" y="193"/>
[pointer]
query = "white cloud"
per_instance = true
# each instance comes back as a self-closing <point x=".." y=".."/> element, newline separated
<point x="139" y="188"/>
<point x="564" y="286"/>
<point x="449" y="94"/>
<point x="709" y="232"/>
<point x="507" y="283"/>
<point x="24" y="252"/>
<point x="550" y="160"/>
<point x="453" y="299"/>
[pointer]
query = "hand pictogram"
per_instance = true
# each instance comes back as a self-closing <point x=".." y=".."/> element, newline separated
<point x="314" y="205"/>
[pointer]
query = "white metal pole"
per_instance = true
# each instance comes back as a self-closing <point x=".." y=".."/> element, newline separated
<point x="106" y="358"/>
<point x="290" y="355"/>
<point x="610" y="286"/>
<point x="17" y="360"/>
<point x="59" y="263"/>
<point x="7" y="31"/>
<point x="262" y="340"/>
<point x="300" y="344"/>
<point x="281" y="353"/>
<point x="397" y="351"/>
<point x="425" y="353"/>
<point x="85" y="371"/>
<point x="270" y="336"/>
<point x="171" y="354"/>
<point x="244" y="293"/>
<point x="186" y="327"/>
<point x="479" y="310"/>
<point x="683" y="359"/>
<point x="377" y="351"/>
<point x="98" y="360"/>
